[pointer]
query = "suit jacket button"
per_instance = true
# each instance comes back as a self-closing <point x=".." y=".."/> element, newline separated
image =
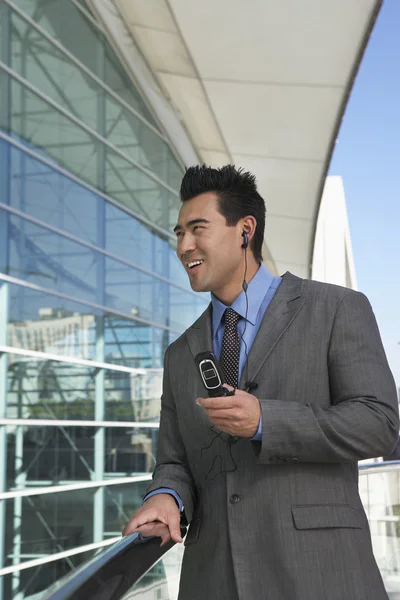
<point x="295" y="459"/>
<point x="273" y="459"/>
<point x="234" y="499"/>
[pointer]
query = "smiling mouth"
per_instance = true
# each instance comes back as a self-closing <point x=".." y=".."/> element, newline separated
<point x="193" y="265"/>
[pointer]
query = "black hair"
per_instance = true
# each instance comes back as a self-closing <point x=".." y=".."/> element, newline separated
<point x="237" y="196"/>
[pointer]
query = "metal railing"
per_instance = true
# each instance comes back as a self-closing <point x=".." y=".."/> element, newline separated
<point x="119" y="572"/>
<point x="112" y="573"/>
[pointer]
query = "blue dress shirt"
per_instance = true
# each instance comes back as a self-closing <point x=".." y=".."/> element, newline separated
<point x="260" y="292"/>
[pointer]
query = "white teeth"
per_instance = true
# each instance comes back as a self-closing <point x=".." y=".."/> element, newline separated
<point x="194" y="263"/>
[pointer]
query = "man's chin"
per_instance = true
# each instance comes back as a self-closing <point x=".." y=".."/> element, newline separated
<point x="198" y="286"/>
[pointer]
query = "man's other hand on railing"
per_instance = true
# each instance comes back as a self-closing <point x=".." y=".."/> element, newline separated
<point x="160" y="517"/>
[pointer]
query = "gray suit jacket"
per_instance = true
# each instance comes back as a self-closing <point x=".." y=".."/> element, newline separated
<point x="282" y="519"/>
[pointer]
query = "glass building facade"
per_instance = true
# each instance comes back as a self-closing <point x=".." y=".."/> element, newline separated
<point x="91" y="291"/>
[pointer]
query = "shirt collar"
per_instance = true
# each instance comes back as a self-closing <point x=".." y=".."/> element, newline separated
<point x="256" y="291"/>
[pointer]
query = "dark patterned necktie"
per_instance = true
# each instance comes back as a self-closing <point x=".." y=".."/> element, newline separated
<point x="230" y="350"/>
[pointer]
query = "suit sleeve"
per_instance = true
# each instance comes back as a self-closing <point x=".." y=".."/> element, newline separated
<point x="362" y="421"/>
<point x="172" y="470"/>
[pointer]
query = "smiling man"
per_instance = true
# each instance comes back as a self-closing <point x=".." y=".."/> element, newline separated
<point x="267" y="480"/>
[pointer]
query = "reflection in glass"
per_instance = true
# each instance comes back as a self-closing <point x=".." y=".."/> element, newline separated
<point x="139" y="192"/>
<point x="53" y="133"/>
<point x="59" y="201"/>
<point x="39" y="455"/>
<point x="34" y="119"/>
<point x="49" y="260"/>
<point x="86" y="42"/>
<point x="162" y="581"/>
<point x="47" y="323"/>
<point x="48" y="389"/>
<point x="50" y="70"/>
<point x="51" y="197"/>
<point x="31" y="582"/>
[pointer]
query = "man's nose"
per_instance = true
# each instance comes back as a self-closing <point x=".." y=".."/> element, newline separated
<point x="186" y="245"/>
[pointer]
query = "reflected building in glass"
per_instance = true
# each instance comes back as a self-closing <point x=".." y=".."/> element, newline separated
<point x="91" y="291"/>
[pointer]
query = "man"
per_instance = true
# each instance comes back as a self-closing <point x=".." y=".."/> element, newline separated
<point x="267" y="477"/>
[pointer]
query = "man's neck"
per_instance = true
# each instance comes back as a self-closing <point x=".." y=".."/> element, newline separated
<point x="229" y="294"/>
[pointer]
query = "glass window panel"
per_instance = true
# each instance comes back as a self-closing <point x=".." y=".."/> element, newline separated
<point x="4" y="32"/>
<point x="56" y="76"/>
<point x="132" y="136"/>
<point x="46" y="129"/>
<point x="184" y="308"/>
<point x="47" y="323"/>
<point x="53" y="523"/>
<point x="140" y="193"/>
<point x="52" y="261"/>
<point x="43" y="127"/>
<point x="48" y="69"/>
<point x="132" y="344"/>
<point x="43" y="455"/>
<point x="117" y="79"/>
<point x="49" y="196"/>
<point x="136" y="242"/>
<point x="69" y="26"/>
<point x="48" y="389"/>
<point x="48" y="455"/>
<point x="135" y="292"/>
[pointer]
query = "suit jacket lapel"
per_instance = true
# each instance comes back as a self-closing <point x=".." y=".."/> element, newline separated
<point x="282" y="310"/>
<point x="199" y="334"/>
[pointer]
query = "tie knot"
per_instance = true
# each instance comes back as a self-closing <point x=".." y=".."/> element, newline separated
<point x="232" y="318"/>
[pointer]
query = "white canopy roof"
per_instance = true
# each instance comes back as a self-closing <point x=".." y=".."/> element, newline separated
<point x="262" y="84"/>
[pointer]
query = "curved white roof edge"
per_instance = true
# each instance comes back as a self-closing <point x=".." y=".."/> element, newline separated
<point x="136" y="66"/>
<point x="263" y="85"/>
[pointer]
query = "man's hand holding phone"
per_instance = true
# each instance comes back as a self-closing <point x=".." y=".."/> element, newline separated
<point x="238" y="415"/>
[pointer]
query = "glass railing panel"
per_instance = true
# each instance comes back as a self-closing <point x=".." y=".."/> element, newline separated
<point x="29" y="584"/>
<point x="162" y="581"/>
<point x="380" y="492"/>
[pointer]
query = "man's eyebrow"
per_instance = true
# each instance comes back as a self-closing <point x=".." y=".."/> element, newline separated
<point x="190" y="223"/>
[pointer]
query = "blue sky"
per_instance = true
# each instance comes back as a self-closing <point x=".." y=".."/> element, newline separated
<point x="367" y="156"/>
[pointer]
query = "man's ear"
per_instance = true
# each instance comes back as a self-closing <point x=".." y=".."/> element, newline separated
<point x="249" y="225"/>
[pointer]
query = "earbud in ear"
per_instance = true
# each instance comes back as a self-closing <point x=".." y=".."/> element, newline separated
<point x="245" y="240"/>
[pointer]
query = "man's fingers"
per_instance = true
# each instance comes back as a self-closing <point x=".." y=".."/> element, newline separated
<point x="156" y="530"/>
<point x="143" y="517"/>
<point x="174" y="525"/>
<point x="223" y="415"/>
<point x="222" y="403"/>
<point x="148" y="521"/>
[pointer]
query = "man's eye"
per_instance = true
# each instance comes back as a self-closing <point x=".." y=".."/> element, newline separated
<point x="197" y="227"/>
<point x="179" y="234"/>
